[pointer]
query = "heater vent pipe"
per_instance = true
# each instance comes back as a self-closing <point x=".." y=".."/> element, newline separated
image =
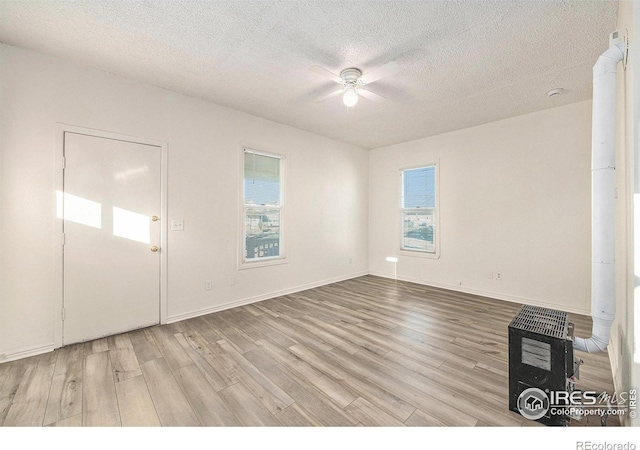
<point x="603" y="148"/>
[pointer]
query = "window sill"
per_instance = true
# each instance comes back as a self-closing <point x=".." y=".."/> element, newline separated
<point x="262" y="263"/>
<point x="417" y="254"/>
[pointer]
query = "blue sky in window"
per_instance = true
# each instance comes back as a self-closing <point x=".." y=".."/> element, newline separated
<point x="261" y="192"/>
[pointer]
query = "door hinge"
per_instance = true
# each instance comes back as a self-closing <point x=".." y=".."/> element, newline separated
<point x="63" y="240"/>
<point x="63" y="314"/>
<point x="64" y="162"/>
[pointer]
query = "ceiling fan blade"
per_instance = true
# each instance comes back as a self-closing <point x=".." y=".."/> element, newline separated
<point x="329" y="95"/>
<point x="389" y="69"/>
<point x="371" y="95"/>
<point x="325" y="73"/>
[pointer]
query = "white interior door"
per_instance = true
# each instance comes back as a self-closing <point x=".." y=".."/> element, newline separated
<point x="111" y="257"/>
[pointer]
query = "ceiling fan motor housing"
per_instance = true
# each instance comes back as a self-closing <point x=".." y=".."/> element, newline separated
<point x="351" y="76"/>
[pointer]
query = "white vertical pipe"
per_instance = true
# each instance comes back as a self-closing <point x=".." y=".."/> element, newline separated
<point x="603" y="148"/>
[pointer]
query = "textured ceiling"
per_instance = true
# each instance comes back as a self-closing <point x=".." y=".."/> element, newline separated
<point x="462" y="63"/>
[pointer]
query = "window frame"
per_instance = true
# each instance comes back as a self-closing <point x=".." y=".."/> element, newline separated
<point x="435" y="254"/>
<point x="243" y="262"/>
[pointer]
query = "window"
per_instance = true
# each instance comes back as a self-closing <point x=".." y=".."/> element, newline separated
<point x="419" y="225"/>
<point x="262" y="187"/>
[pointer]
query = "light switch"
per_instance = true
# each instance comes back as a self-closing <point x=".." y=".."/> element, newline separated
<point x="177" y="225"/>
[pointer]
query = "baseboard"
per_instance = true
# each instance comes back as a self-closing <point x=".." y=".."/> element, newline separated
<point x="259" y="298"/>
<point x="497" y="296"/>
<point x="25" y="353"/>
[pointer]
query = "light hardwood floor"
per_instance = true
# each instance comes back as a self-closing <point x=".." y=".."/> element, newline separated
<point x="363" y="352"/>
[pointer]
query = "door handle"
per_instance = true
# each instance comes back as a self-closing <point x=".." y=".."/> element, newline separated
<point x="155" y="218"/>
<point x="154" y="249"/>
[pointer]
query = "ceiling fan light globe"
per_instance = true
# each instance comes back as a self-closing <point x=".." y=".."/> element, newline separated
<point x="350" y="97"/>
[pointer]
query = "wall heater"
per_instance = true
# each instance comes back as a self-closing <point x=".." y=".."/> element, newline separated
<point x="540" y="356"/>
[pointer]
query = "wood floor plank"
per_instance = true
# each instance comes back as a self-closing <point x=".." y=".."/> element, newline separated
<point x="270" y="333"/>
<point x="355" y="339"/>
<point x="30" y="401"/>
<point x="266" y="310"/>
<point x="96" y="346"/>
<point x="313" y="401"/>
<point x="208" y="406"/>
<point x="368" y="415"/>
<point x="4" y="370"/>
<point x="280" y="308"/>
<point x="336" y="308"/>
<point x="201" y="326"/>
<point x="410" y="394"/>
<point x="383" y="399"/>
<point x="421" y="419"/>
<point x="124" y="361"/>
<point x="74" y="421"/>
<point x="482" y="381"/>
<point x="295" y="416"/>
<point x="99" y="402"/>
<point x="211" y="376"/>
<point x="304" y="308"/>
<point x="144" y="345"/>
<point x="327" y="336"/>
<point x="340" y="394"/>
<point x="250" y="411"/>
<point x="234" y="337"/>
<point x="409" y="346"/>
<point x="392" y="342"/>
<point x="270" y="394"/>
<point x="65" y="397"/>
<point x="171" y="350"/>
<point x="217" y="358"/>
<point x="296" y="332"/>
<point x="45" y="359"/>
<point x="170" y="403"/>
<point x="320" y="311"/>
<point x="135" y="404"/>
<point x="458" y="399"/>
<point x="241" y="322"/>
<point x="14" y="375"/>
<point x="252" y="310"/>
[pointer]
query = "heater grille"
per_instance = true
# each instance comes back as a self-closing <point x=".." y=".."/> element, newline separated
<point x="548" y="322"/>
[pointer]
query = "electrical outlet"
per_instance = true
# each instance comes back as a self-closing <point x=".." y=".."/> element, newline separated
<point x="499" y="275"/>
<point x="232" y="281"/>
<point x="207" y="285"/>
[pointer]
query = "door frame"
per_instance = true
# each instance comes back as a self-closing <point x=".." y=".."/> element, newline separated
<point x="58" y="302"/>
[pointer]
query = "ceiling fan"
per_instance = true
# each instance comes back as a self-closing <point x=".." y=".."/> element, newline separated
<point x="353" y="82"/>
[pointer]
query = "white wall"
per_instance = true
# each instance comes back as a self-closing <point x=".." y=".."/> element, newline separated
<point x="514" y="198"/>
<point x="621" y="350"/>
<point x="327" y="184"/>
